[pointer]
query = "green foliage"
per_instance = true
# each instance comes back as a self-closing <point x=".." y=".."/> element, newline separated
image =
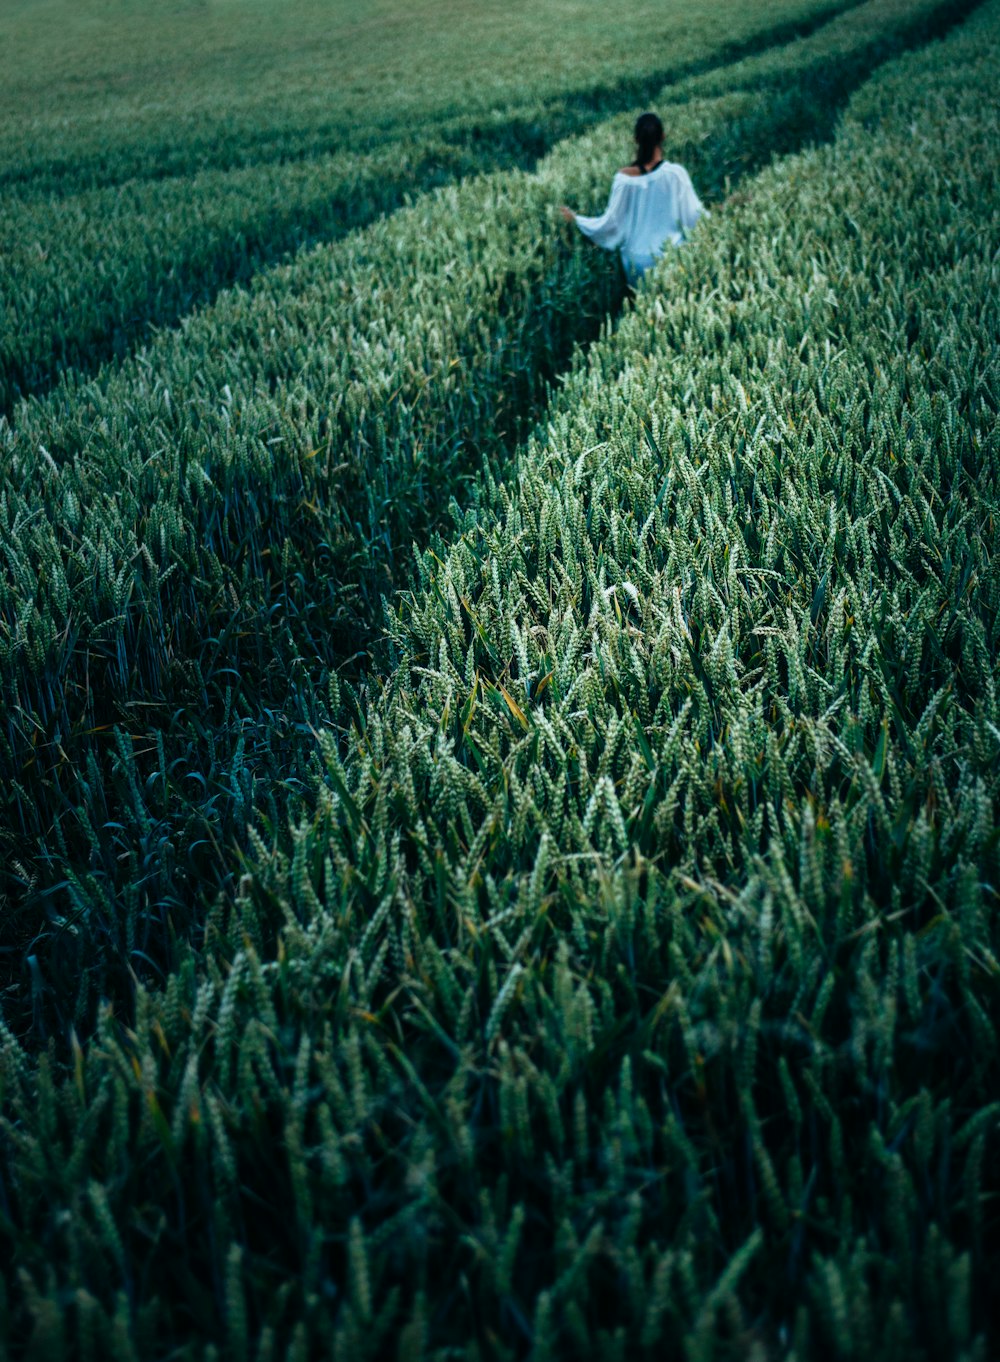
<point x="127" y="211"/>
<point x="627" y="984"/>
<point x="104" y="251"/>
<point x="104" y="91"/>
<point x="193" y="541"/>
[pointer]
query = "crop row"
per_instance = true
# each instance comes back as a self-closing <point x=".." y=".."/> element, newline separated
<point x="191" y="543"/>
<point x="628" y="987"/>
<point x="85" y="274"/>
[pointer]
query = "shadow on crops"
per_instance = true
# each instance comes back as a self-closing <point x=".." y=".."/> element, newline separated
<point x="152" y="812"/>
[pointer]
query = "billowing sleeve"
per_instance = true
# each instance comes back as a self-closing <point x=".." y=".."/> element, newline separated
<point x="609" y="229"/>
<point x="690" y="207"/>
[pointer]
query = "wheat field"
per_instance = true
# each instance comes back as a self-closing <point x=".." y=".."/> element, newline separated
<point x="498" y="774"/>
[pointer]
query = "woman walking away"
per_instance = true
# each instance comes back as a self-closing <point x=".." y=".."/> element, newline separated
<point x="652" y="202"/>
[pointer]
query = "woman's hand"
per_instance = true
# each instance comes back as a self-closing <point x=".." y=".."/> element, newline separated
<point x="568" y="213"/>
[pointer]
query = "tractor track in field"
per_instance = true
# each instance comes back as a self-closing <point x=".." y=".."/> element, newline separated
<point x="805" y="114"/>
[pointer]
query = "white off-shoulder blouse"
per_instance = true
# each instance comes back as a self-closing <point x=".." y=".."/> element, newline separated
<point x="645" y="212"/>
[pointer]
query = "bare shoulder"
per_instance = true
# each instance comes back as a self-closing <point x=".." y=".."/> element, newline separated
<point x="631" y="171"/>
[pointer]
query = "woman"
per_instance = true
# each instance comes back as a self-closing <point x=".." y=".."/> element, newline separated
<point x="652" y="202"/>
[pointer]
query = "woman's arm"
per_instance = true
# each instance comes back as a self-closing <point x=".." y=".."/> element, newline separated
<point x="609" y="229"/>
<point x="690" y="206"/>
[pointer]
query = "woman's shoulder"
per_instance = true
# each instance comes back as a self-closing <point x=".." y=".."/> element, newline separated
<point x="631" y="172"/>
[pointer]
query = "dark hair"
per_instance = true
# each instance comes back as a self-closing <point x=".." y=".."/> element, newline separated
<point x="648" y="136"/>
